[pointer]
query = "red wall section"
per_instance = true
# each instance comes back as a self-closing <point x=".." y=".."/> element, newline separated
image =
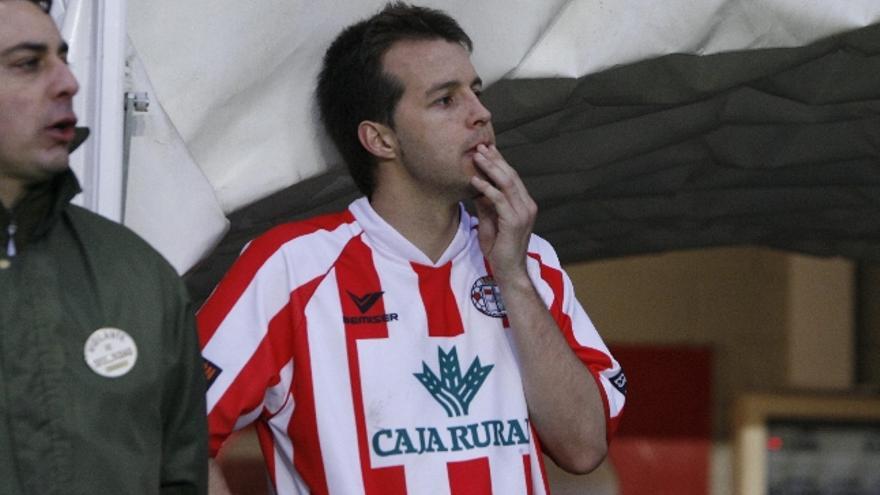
<point x="664" y="442"/>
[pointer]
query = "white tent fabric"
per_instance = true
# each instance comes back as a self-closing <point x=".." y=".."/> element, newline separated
<point x="589" y="36"/>
<point x="169" y="201"/>
<point x="237" y="78"/>
<point x="97" y="55"/>
<point x="163" y="179"/>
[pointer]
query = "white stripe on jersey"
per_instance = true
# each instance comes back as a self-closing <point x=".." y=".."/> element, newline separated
<point x="278" y="395"/>
<point x="332" y="389"/>
<point x="248" y="418"/>
<point x="283" y="451"/>
<point x="427" y="479"/>
<point x="398" y="280"/>
<point x="508" y="475"/>
<point x="541" y="286"/>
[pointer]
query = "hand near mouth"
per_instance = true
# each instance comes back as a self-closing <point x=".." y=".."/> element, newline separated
<point x="506" y="212"/>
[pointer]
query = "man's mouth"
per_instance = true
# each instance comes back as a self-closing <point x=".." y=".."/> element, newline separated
<point x="473" y="149"/>
<point x="62" y="130"/>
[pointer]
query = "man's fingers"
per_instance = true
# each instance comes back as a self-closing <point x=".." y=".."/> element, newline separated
<point x="498" y="200"/>
<point x="503" y="176"/>
<point x="506" y="212"/>
<point x="506" y="180"/>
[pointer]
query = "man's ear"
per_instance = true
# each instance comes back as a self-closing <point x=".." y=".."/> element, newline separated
<point x="378" y="139"/>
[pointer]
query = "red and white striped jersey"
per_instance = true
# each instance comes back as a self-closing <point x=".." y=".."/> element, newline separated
<point x="369" y="369"/>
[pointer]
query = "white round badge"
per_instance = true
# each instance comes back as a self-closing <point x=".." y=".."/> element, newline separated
<point x="110" y="352"/>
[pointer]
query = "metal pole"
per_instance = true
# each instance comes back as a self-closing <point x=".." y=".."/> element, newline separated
<point x="96" y="31"/>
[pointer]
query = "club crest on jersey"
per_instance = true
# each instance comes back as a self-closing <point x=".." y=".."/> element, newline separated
<point x="452" y="390"/>
<point x="487" y="297"/>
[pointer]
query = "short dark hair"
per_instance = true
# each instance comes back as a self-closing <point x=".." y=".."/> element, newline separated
<point x="353" y="87"/>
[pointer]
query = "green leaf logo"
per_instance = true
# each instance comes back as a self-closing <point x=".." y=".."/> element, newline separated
<point x="451" y="390"/>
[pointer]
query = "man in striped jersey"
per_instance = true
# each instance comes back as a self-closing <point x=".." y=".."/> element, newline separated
<point x="405" y="346"/>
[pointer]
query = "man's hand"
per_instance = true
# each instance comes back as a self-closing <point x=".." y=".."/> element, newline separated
<point x="564" y="402"/>
<point x="506" y="212"/>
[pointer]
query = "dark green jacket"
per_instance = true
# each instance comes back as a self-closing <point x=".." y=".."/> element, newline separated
<point x="65" y="428"/>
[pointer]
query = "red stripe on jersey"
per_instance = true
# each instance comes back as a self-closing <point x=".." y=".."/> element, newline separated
<point x="356" y="274"/>
<point x="527" y="469"/>
<point x="444" y="320"/>
<point x="470" y="477"/>
<point x="267" y="447"/>
<point x="595" y="361"/>
<point x="242" y="272"/>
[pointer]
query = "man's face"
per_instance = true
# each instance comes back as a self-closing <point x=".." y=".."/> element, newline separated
<point x="36" y="93"/>
<point x="439" y="120"/>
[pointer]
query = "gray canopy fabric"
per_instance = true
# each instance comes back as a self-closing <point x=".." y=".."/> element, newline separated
<point x="773" y="147"/>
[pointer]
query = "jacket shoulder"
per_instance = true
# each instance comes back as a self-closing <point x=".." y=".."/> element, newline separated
<point x="112" y="242"/>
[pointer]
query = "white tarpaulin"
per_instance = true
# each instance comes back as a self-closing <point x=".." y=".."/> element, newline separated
<point x="237" y="78"/>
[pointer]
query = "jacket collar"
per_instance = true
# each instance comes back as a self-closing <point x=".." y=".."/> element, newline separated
<point x="39" y="209"/>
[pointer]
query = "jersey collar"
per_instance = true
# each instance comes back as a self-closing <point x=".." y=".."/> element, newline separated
<point x="381" y="235"/>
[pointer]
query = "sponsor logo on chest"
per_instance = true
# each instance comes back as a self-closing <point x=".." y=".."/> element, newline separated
<point x="451" y="400"/>
<point x="447" y="391"/>
<point x="364" y="304"/>
<point x="423" y="440"/>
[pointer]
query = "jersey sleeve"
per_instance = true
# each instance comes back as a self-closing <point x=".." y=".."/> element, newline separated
<point x="243" y="331"/>
<point x="557" y="291"/>
<point x="248" y="325"/>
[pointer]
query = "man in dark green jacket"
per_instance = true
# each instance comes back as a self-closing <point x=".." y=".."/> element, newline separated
<point x="101" y="388"/>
